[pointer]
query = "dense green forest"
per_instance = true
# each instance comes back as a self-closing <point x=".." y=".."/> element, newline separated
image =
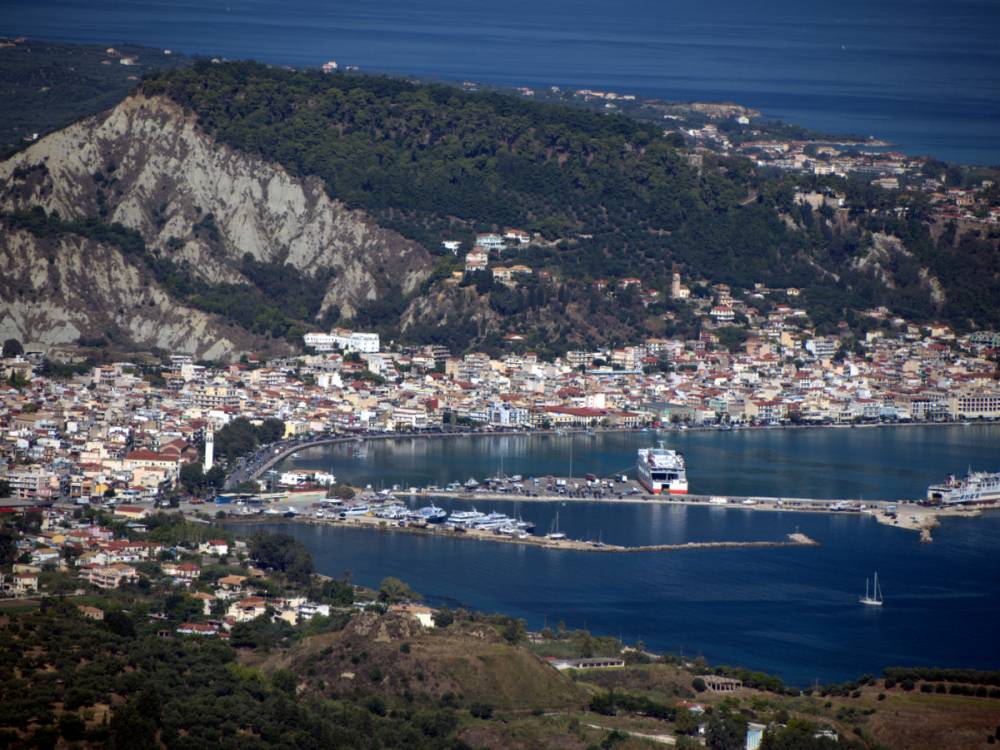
<point x="174" y="692"/>
<point x="56" y="84"/>
<point x="421" y="156"/>
<point x="613" y="195"/>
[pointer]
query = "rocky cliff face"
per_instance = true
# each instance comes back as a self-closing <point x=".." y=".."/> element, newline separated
<point x="61" y="289"/>
<point x="146" y="165"/>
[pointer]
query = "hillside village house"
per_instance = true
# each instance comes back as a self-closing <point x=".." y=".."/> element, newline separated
<point x="218" y="547"/>
<point x="184" y="571"/>
<point x="91" y="613"/>
<point x="230" y="586"/>
<point x="44" y="556"/>
<point x="423" y="615"/>
<point x="109" y="576"/>
<point x="721" y="314"/>
<point x="207" y="600"/>
<point x="20" y="583"/>
<point x="245" y="610"/>
<point x="490" y="242"/>
<point x="476" y="259"/>
<point x="197" y="628"/>
<point x="517" y="236"/>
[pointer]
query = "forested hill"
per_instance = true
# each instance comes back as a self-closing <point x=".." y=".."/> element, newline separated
<point x="432" y="160"/>
<point x="47" y="85"/>
<point x="612" y="197"/>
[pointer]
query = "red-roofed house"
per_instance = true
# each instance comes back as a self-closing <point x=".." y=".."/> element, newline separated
<point x="197" y="628"/>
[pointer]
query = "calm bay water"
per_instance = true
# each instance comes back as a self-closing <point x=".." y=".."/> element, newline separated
<point x="922" y="73"/>
<point x="876" y="463"/>
<point x="793" y="612"/>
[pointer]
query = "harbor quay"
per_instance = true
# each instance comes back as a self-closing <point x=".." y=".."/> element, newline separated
<point x="313" y="507"/>
<point x="619" y="488"/>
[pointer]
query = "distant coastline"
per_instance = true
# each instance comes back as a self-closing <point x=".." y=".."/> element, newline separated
<point x="827" y="82"/>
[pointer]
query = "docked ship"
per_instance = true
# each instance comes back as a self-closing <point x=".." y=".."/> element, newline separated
<point x="977" y="487"/>
<point x="465" y="518"/>
<point x="661" y="471"/>
<point x="430" y="514"/>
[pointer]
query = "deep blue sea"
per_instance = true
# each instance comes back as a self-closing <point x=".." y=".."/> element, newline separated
<point x="922" y="73"/>
<point x="793" y="612"/>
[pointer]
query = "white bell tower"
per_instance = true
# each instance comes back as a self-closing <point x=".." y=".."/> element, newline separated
<point x="209" y="449"/>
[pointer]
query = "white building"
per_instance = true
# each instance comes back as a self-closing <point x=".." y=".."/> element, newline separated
<point x="491" y="241"/>
<point x="476" y="260"/>
<point x="506" y="415"/>
<point x="821" y="348"/>
<point x="354" y="341"/>
<point x="339" y="338"/>
<point x="321" y="342"/>
<point x="517" y="236"/>
<point x="722" y="314"/>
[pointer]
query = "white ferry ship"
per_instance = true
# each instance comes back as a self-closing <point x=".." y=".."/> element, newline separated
<point x="661" y="471"/>
<point x="977" y="487"/>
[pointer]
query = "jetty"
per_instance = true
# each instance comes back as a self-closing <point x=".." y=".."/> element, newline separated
<point x="374" y="523"/>
<point x="578" y="490"/>
<point x="924" y="519"/>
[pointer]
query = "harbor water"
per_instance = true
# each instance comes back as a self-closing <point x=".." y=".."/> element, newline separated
<point x="790" y="611"/>
<point x="884" y="463"/>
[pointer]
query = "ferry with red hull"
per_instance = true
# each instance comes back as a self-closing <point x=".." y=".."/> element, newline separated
<point x="661" y="471"/>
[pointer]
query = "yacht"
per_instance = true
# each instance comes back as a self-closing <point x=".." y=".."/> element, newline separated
<point x="873" y="599"/>
<point x="465" y="517"/>
<point x="492" y="521"/>
<point x="555" y="534"/>
<point x="392" y="511"/>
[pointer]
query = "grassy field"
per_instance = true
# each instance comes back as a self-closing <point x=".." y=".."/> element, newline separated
<point x="467" y="664"/>
<point x="924" y="721"/>
<point x="900" y="719"/>
<point x="534" y="705"/>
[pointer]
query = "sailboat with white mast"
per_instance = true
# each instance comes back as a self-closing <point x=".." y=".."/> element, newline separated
<point x="555" y="534"/>
<point x="873" y="599"/>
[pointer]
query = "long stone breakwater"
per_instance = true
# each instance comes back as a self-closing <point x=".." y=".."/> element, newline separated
<point x="372" y="523"/>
